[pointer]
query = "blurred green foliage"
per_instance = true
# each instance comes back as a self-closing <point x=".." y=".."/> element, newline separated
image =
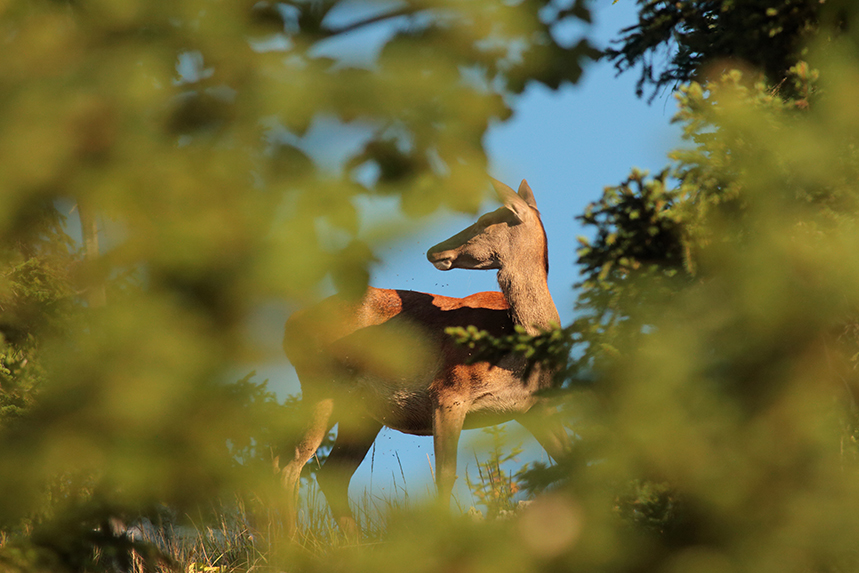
<point x="717" y="319"/>
<point x="716" y="323"/>
<point x="179" y="128"/>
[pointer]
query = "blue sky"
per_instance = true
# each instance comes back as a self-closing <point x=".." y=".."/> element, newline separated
<point x="569" y="145"/>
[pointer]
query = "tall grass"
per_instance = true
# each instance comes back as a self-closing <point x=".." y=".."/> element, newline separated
<point x="231" y="537"/>
<point x="223" y="540"/>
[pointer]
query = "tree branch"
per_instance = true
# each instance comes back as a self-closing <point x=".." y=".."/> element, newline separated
<point x="407" y="11"/>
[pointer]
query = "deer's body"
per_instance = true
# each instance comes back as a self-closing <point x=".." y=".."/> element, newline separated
<point x="347" y="377"/>
<point x="405" y="403"/>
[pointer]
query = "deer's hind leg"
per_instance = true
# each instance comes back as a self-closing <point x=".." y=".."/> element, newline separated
<point x="355" y="436"/>
<point x="290" y="463"/>
<point x="546" y="425"/>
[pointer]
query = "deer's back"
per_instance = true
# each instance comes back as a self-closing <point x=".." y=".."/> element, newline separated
<point x="319" y="327"/>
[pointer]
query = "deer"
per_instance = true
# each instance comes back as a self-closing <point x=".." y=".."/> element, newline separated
<point x="436" y="390"/>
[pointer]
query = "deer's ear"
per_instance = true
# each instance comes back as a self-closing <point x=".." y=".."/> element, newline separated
<point x="511" y="200"/>
<point x="526" y="194"/>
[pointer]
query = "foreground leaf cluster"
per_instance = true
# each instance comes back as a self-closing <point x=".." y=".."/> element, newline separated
<point x="710" y="372"/>
<point x="229" y="160"/>
<point x="717" y="320"/>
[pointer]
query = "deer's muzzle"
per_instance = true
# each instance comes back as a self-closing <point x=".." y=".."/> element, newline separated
<point x="442" y="260"/>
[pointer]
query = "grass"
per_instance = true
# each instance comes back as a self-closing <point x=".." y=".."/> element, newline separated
<point x="236" y="539"/>
<point x="228" y="542"/>
<point x="232" y="537"/>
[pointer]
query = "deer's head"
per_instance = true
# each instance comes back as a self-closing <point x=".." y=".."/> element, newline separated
<point x="498" y="239"/>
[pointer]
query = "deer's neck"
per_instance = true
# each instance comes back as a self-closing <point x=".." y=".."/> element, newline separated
<point x="527" y="293"/>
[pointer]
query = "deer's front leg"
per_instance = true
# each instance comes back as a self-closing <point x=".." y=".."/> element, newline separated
<point x="448" y="417"/>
